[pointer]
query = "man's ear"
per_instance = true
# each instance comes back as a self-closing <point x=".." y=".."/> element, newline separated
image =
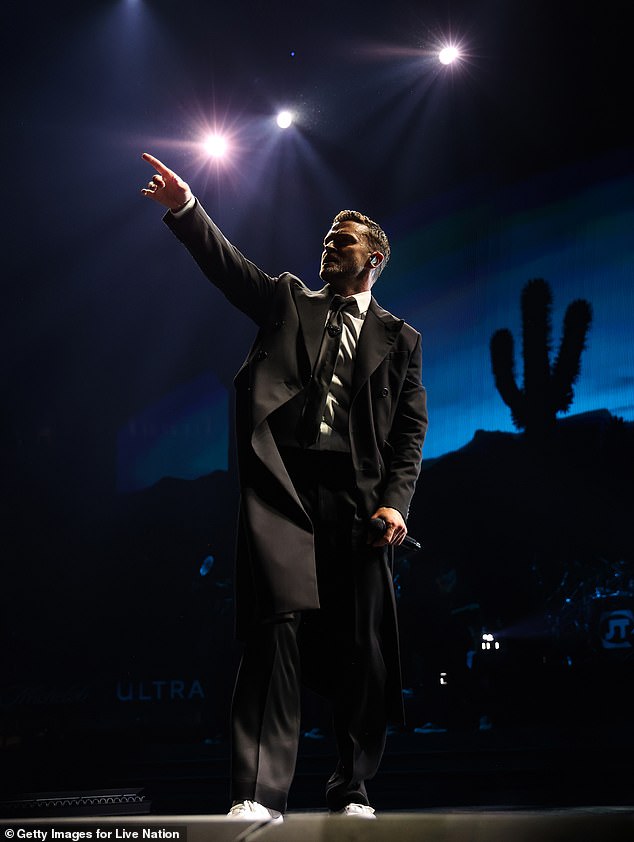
<point x="376" y="258"/>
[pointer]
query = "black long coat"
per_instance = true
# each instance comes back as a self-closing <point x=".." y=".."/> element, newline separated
<point x="275" y="559"/>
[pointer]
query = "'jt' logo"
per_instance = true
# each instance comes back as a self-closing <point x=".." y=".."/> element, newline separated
<point x="616" y="629"/>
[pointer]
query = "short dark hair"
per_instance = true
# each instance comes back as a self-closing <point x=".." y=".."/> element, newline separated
<point x="376" y="236"/>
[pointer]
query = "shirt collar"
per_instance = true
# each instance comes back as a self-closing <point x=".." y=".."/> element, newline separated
<point x="363" y="301"/>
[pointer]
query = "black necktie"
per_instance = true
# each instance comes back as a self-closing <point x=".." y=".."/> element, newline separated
<point x="319" y="385"/>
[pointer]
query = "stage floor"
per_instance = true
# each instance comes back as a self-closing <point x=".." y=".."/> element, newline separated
<point x="587" y="824"/>
<point x="502" y="769"/>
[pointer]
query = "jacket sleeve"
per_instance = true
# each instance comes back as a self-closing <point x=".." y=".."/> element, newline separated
<point x="248" y="288"/>
<point x="406" y="437"/>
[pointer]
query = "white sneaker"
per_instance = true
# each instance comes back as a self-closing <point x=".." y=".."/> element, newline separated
<point x="362" y="811"/>
<point x="249" y="811"/>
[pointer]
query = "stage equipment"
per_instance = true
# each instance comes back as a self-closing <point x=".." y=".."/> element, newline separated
<point x="215" y="146"/>
<point x="99" y="802"/>
<point x="591" y="611"/>
<point x="284" y="119"/>
<point x="448" y="55"/>
<point x="489" y="642"/>
<point x="377" y="527"/>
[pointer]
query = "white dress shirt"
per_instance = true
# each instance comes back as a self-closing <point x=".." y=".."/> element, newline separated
<point x="333" y="430"/>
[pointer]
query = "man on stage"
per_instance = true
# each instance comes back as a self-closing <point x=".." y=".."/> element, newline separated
<point x="331" y="417"/>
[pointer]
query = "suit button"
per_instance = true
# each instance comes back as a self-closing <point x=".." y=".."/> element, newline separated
<point x="385" y="392"/>
<point x="261" y="355"/>
<point x="278" y="325"/>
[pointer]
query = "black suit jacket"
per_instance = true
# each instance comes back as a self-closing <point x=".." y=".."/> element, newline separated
<point x="275" y="570"/>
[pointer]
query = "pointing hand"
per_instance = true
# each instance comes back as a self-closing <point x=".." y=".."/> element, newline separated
<point x="166" y="188"/>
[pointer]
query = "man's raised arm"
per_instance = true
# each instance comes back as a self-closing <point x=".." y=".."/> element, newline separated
<point x="250" y="289"/>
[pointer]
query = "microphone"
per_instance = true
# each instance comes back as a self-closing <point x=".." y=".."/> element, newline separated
<point x="377" y="527"/>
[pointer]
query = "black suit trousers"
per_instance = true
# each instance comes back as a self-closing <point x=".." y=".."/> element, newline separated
<point x="336" y="651"/>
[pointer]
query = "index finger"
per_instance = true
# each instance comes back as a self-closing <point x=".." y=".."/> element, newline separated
<point x="159" y="166"/>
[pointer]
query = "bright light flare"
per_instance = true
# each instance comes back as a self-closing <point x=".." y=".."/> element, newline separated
<point x="284" y="119"/>
<point x="448" y="54"/>
<point x="215" y="146"/>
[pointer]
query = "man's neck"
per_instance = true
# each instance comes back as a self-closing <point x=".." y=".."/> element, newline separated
<point x="351" y="288"/>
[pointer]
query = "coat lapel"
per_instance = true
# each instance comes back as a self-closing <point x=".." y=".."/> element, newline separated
<point x="312" y="308"/>
<point x="379" y="331"/>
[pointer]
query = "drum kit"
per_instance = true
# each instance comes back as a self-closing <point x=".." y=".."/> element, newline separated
<point x="591" y="612"/>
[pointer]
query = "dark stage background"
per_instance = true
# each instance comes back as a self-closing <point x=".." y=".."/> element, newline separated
<point x="118" y="471"/>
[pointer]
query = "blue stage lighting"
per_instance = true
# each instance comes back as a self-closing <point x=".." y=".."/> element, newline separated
<point x="206" y="566"/>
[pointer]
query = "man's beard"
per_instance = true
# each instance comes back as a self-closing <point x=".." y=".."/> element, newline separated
<point x="332" y="271"/>
<point x="329" y="271"/>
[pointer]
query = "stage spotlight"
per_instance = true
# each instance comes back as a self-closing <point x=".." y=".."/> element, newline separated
<point x="448" y="55"/>
<point x="215" y="146"/>
<point x="489" y="642"/>
<point x="284" y="119"/>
